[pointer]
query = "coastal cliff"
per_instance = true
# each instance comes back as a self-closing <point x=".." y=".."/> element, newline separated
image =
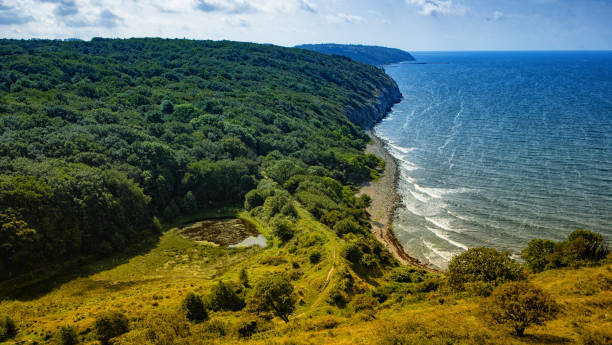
<point x="370" y="114"/>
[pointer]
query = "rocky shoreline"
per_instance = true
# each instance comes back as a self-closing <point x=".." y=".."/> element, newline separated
<point x="385" y="200"/>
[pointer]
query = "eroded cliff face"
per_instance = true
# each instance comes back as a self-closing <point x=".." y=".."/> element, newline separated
<point x="374" y="112"/>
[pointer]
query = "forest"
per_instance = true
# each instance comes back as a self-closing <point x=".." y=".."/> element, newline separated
<point x="372" y="55"/>
<point x="101" y="141"/>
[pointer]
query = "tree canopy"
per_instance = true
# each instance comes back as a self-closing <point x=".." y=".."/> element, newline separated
<point x="97" y="138"/>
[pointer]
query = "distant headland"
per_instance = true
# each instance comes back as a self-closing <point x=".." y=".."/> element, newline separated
<point x="373" y="55"/>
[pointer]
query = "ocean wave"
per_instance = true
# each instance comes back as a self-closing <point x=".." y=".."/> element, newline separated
<point x="445" y="255"/>
<point x="419" y="196"/>
<point x="440" y="192"/>
<point x="439" y="234"/>
<point x="442" y="223"/>
<point x="401" y="149"/>
<point x="407" y="165"/>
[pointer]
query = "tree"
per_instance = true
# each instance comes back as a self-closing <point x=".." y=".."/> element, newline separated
<point x="537" y="254"/>
<point x="519" y="305"/>
<point x="167" y="107"/>
<point x="274" y="295"/>
<point x="483" y="265"/>
<point x="586" y="245"/>
<point x="110" y="325"/>
<point x="194" y="308"/>
<point x="224" y="297"/>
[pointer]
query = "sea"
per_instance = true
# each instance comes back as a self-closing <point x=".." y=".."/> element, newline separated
<point x="498" y="148"/>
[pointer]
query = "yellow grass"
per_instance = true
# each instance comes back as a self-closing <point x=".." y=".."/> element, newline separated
<point x="156" y="281"/>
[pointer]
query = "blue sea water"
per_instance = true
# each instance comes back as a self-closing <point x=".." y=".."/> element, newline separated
<point x="498" y="148"/>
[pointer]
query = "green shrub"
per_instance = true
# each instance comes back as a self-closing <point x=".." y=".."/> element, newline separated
<point x="325" y="322"/>
<point x="519" y="305"/>
<point x="347" y="226"/>
<point x="165" y="328"/>
<point x="224" y="297"/>
<point x="253" y="199"/>
<point x="586" y="245"/>
<point x="7" y="328"/>
<point x="247" y="328"/>
<point x="364" y="302"/>
<point x="283" y="229"/>
<point x="314" y="257"/>
<point x="430" y="284"/>
<point x="110" y="324"/>
<point x="483" y="265"/>
<point x="537" y="254"/>
<point x="194" y="309"/>
<point x="582" y="247"/>
<point x="68" y="335"/>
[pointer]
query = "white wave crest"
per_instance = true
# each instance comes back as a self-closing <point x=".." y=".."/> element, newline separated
<point x="439" y="234"/>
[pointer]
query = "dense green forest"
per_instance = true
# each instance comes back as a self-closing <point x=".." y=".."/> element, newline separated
<point x="102" y="140"/>
<point x="372" y="55"/>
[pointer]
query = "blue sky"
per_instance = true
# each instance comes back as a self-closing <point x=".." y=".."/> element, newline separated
<point x="413" y="25"/>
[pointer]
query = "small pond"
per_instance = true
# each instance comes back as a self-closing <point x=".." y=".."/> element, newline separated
<point x="230" y="232"/>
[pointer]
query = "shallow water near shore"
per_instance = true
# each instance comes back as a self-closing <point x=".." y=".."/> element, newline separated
<point x="496" y="149"/>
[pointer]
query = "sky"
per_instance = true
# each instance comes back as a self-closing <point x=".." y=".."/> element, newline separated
<point x="412" y="25"/>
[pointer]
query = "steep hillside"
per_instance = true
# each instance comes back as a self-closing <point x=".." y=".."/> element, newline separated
<point x="372" y="55"/>
<point x="101" y="139"/>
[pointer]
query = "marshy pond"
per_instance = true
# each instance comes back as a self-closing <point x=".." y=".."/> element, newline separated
<point x="231" y="232"/>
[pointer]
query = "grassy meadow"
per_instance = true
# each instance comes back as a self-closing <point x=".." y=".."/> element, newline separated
<point x="149" y="288"/>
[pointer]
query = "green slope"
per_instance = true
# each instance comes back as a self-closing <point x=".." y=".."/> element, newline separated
<point x="372" y="55"/>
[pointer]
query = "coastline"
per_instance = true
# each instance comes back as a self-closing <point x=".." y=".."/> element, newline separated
<point x="385" y="201"/>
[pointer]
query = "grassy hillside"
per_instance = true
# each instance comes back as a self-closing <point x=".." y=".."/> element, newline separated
<point x="372" y="55"/>
<point x="149" y="288"/>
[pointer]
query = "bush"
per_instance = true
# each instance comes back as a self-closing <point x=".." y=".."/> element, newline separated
<point x="586" y="245"/>
<point x="253" y="199"/>
<point x="364" y="302"/>
<point x="582" y="247"/>
<point x="314" y="257"/>
<point x="7" y="328"/>
<point x="110" y="325"/>
<point x="483" y="265"/>
<point x="520" y="304"/>
<point x="224" y="297"/>
<point x="194" y="308"/>
<point x="325" y="322"/>
<point x="537" y="254"/>
<point x="164" y="328"/>
<point x="68" y="336"/>
<point x="247" y="328"/>
<point x="283" y="229"/>
<point x="407" y="274"/>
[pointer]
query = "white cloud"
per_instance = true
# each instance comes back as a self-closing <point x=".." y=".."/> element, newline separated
<point x="343" y="18"/>
<point x="437" y="7"/>
<point x="246" y="6"/>
<point x="497" y="15"/>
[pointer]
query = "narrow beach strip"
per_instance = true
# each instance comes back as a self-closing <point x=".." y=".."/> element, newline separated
<point x="385" y="200"/>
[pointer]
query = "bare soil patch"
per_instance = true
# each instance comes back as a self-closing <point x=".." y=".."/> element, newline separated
<point x="224" y="232"/>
